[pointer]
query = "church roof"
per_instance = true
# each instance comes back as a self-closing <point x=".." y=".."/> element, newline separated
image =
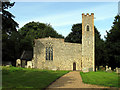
<point x="27" y="55"/>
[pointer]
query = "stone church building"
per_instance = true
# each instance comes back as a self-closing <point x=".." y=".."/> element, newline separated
<point x="55" y="54"/>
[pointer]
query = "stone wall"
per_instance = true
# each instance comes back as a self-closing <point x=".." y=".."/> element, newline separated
<point x="64" y="54"/>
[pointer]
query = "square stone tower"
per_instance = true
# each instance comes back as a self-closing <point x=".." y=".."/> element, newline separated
<point x="88" y="43"/>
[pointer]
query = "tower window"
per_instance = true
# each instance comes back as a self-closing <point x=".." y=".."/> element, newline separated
<point x="87" y="27"/>
<point x="49" y="53"/>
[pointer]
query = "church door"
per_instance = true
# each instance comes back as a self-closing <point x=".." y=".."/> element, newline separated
<point x="74" y="66"/>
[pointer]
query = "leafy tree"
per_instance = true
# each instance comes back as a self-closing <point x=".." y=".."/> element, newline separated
<point x="38" y="30"/>
<point x="99" y="50"/>
<point x="76" y="37"/>
<point x="10" y="36"/>
<point x="34" y="30"/>
<point x="113" y="44"/>
<point x="8" y="24"/>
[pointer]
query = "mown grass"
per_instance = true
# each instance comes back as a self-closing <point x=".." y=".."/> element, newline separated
<point x="101" y="78"/>
<point x="13" y="77"/>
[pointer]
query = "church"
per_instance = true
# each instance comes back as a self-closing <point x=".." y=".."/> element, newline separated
<point x="55" y="54"/>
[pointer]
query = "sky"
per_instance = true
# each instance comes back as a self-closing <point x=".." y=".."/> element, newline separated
<point x="62" y="15"/>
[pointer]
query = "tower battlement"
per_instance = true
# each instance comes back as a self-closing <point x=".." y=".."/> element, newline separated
<point x="92" y="14"/>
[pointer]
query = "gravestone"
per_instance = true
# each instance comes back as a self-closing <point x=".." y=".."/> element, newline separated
<point x="101" y="68"/>
<point x="90" y="69"/>
<point x="29" y="64"/>
<point x="107" y="68"/>
<point x="85" y="70"/>
<point x="114" y="70"/>
<point x="96" y="69"/>
<point x="117" y="70"/>
<point x="18" y="63"/>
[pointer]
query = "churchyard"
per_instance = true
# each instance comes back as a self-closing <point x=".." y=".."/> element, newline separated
<point x="102" y="78"/>
<point x="36" y="55"/>
<point x="17" y="77"/>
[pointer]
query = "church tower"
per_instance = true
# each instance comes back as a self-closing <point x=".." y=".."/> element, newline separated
<point x="88" y="43"/>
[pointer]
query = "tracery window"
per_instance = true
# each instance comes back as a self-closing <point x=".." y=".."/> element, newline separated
<point x="49" y="52"/>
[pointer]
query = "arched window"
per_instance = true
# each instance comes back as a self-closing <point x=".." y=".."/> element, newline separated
<point x="88" y="28"/>
<point x="46" y="53"/>
<point x="49" y="52"/>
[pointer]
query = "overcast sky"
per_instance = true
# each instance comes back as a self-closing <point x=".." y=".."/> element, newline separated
<point x="62" y="15"/>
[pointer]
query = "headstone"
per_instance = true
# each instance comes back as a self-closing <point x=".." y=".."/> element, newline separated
<point x="101" y="68"/>
<point x="18" y="63"/>
<point x="117" y="70"/>
<point x="29" y="64"/>
<point x="90" y="69"/>
<point x="107" y="68"/>
<point x="25" y="66"/>
<point x="85" y="70"/>
<point x="7" y="65"/>
<point x="96" y="69"/>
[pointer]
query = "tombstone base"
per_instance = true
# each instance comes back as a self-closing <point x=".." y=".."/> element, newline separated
<point x="85" y="70"/>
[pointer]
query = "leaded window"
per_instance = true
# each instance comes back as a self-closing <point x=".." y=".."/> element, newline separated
<point x="49" y="52"/>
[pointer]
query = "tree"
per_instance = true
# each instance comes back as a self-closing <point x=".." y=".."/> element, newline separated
<point x="8" y="24"/>
<point x="10" y="36"/>
<point x="38" y="30"/>
<point x="99" y="50"/>
<point x="113" y="44"/>
<point x="34" y="30"/>
<point x="76" y="37"/>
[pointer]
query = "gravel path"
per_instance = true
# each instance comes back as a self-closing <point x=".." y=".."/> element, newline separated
<point x="73" y="80"/>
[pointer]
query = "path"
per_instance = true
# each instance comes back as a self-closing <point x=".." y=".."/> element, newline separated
<point x="71" y="80"/>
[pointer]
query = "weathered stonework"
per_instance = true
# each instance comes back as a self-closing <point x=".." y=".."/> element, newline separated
<point x="64" y="54"/>
<point x="88" y="43"/>
<point x="68" y="56"/>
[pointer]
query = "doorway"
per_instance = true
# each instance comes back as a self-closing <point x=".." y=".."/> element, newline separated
<point x="74" y="66"/>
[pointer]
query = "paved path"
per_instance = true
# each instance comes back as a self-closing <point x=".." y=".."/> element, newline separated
<point x="71" y="80"/>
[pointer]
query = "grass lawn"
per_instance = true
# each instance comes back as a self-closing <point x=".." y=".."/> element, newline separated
<point x="101" y="78"/>
<point x="13" y="77"/>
